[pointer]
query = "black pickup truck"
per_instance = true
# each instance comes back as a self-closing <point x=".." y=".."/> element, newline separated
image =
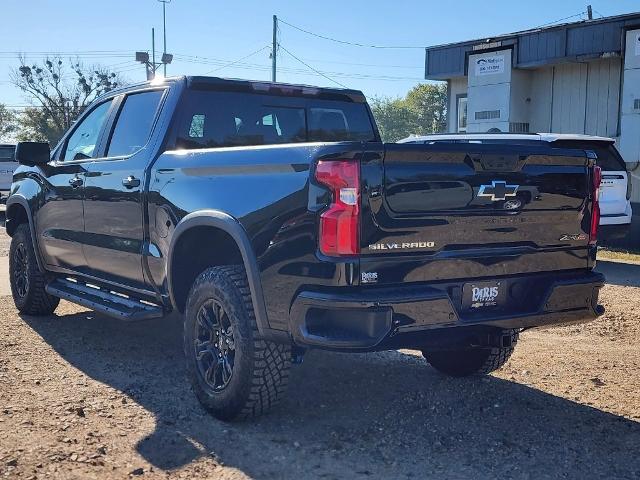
<point x="273" y="219"/>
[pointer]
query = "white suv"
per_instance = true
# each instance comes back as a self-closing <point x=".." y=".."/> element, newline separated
<point x="615" y="190"/>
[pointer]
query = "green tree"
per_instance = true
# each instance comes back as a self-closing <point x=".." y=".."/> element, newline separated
<point x="59" y="92"/>
<point x="7" y="123"/>
<point x="395" y="118"/>
<point x="429" y="101"/>
<point x="422" y="111"/>
<point x="36" y="125"/>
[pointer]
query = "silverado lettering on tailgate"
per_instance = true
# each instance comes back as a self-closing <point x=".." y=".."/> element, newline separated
<point x="401" y="246"/>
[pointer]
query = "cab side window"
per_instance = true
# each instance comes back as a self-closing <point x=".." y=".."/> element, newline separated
<point x="82" y="143"/>
<point x="134" y="123"/>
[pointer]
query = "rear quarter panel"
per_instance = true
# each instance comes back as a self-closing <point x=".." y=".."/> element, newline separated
<point x="267" y="189"/>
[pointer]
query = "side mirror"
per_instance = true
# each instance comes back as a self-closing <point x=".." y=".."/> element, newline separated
<point x="32" y="153"/>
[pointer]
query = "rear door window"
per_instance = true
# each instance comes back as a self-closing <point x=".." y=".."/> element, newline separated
<point x="134" y="123"/>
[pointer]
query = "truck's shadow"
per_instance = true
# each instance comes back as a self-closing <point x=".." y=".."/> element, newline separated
<point x="384" y="415"/>
<point x="619" y="273"/>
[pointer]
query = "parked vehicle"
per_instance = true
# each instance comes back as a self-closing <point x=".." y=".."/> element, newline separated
<point x="7" y="166"/>
<point x="615" y="188"/>
<point x="273" y="218"/>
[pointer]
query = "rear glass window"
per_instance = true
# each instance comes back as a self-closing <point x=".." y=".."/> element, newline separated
<point x="609" y="159"/>
<point x="7" y="154"/>
<point x="225" y="119"/>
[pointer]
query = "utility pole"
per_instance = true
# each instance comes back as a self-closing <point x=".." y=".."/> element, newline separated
<point x="274" y="48"/>
<point x="589" y="12"/>
<point x="164" y="31"/>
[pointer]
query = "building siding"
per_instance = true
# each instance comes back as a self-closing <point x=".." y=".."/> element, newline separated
<point x="569" y="98"/>
<point x="603" y="97"/>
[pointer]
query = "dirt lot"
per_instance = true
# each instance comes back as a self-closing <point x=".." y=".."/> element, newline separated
<point x="83" y="396"/>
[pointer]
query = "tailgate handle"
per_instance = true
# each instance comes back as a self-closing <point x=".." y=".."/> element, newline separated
<point x="502" y="163"/>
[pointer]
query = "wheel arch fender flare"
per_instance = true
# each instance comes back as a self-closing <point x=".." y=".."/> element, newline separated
<point x="230" y="225"/>
<point x="24" y="203"/>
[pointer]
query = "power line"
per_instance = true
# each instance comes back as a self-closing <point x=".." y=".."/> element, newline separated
<point x="311" y="68"/>
<point x="354" y="44"/>
<point x="598" y="13"/>
<point x="264" y="68"/>
<point x="238" y="60"/>
<point x="559" y="20"/>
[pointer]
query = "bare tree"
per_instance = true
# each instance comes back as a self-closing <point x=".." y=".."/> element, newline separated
<point x="61" y="91"/>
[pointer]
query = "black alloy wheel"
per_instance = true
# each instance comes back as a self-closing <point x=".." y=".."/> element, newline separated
<point x="214" y="345"/>
<point x="21" y="270"/>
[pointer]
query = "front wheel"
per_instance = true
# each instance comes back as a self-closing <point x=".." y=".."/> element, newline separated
<point x="234" y="373"/>
<point x="27" y="281"/>
<point x="461" y="362"/>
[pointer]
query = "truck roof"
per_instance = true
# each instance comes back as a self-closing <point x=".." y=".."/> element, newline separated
<point x="542" y="137"/>
<point x="257" y="86"/>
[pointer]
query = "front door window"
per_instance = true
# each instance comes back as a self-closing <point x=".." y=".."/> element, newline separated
<point x="82" y="142"/>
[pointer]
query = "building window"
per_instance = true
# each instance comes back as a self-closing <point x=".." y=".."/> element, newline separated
<point x="462" y="113"/>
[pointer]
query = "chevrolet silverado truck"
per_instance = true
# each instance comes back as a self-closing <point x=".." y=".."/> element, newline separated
<point x="273" y="219"/>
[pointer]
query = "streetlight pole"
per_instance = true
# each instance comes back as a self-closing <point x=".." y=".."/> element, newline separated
<point x="164" y="30"/>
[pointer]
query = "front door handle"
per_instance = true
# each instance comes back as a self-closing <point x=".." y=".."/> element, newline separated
<point x="131" y="182"/>
<point x="75" y="182"/>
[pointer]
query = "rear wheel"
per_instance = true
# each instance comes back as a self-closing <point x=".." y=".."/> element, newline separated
<point x="27" y="281"/>
<point x="234" y="373"/>
<point x="462" y="362"/>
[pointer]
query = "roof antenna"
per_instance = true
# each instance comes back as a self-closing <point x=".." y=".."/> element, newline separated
<point x="589" y="12"/>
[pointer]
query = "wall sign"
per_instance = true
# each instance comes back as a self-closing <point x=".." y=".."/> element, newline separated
<point x="489" y="65"/>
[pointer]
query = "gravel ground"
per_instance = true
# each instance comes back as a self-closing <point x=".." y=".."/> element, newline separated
<point x="83" y="396"/>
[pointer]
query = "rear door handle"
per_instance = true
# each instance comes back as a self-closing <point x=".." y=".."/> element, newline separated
<point x="131" y="182"/>
<point x="75" y="182"/>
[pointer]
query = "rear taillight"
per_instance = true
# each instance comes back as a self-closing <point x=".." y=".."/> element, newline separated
<point x="339" y="223"/>
<point x="595" y="212"/>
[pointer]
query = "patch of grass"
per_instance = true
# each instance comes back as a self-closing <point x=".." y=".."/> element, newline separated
<point x="620" y="255"/>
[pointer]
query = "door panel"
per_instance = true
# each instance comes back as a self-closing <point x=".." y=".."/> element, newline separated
<point x="113" y="224"/>
<point x="113" y="220"/>
<point x="59" y="221"/>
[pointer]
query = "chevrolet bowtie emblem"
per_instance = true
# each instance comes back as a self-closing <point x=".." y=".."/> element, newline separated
<point x="498" y="190"/>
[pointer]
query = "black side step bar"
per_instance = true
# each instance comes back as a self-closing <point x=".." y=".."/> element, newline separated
<point x="103" y="300"/>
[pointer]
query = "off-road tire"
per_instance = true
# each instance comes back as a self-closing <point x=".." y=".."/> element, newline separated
<point x="473" y="360"/>
<point x="32" y="299"/>
<point x="261" y="368"/>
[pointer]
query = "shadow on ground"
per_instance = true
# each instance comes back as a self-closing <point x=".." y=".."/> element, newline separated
<point x="351" y="416"/>
<point x="619" y="273"/>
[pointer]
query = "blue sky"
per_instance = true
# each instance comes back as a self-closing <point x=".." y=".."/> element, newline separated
<point x="206" y="35"/>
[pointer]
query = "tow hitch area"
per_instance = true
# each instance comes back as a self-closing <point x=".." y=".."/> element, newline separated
<point x="494" y="340"/>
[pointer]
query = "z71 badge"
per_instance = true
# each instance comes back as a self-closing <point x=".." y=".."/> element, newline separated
<point x="569" y="237"/>
<point x="401" y="246"/>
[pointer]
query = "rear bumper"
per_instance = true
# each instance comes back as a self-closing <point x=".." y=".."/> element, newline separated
<point x="383" y="317"/>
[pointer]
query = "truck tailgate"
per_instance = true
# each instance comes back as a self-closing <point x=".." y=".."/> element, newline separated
<point x="449" y="211"/>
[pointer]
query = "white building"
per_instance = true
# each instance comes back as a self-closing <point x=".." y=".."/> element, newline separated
<point x="579" y="77"/>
